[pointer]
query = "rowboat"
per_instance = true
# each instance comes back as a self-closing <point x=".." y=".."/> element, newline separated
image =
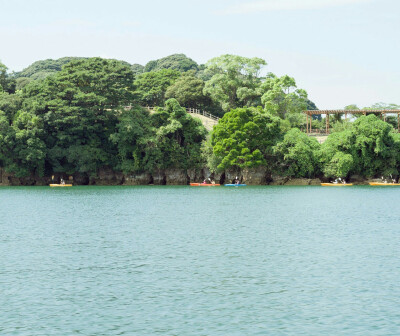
<point x="336" y="184"/>
<point x="60" y="185"/>
<point x="235" y="185"/>
<point x="384" y="184"/>
<point x="204" y="184"/>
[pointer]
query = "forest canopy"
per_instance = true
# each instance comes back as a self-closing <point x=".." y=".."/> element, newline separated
<point x="78" y="115"/>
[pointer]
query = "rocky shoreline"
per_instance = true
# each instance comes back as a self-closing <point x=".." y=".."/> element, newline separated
<point x="108" y="177"/>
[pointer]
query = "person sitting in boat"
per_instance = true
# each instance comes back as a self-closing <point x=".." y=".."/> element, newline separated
<point x="237" y="181"/>
<point x="336" y="181"/>
<point x="343" y="181"/>
<point x="62" y="182"/>
<point x="205" y="181"/>
<point x="212" y="182"/>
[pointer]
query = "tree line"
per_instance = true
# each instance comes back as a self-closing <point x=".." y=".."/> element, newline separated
<point x="70" y="116"/>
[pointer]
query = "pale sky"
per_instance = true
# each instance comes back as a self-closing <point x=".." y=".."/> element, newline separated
<point x="341" y="51"/>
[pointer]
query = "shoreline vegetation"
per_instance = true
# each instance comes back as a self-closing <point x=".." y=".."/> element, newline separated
<point x="67" y="118"/>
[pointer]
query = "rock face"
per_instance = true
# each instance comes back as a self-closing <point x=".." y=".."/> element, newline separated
<point x="315" y="182"/>
<point x="138" y="179"/>
<point x="176" y="177"/>
<point x="298" y="182"/>
<point x="81" y="179"/>
<point x="278" y="180"/>
<point x="218" y="177"/>
<point x="21" y="181"/>
<point x="4" y="178"/>
<point x="196" y="175"/>
<point x="231" y="174"/>
<point x="106" y="176"/>
<point x="159" y="177"/>
<point x="255" y="176"/>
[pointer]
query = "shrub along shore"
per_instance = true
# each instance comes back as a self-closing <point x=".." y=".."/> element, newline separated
<point x="68" y="119"/>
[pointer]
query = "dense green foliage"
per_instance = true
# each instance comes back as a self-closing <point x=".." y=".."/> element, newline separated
<point x="245" y="137"/>
<point x="7" y="83"/>
<point x="234" y="80"/>
<point x="368" y="147"/>
<point x="151" y="86"/>
<point x="188" y="90"/>
<point x="296" y="155"/>
<point x="281" y="96"/>
<point x="79" y="115"/>
<point x="44" y="68"/>
<point x="75" y="121"/>
<point x="169" y="138"/>
<point x="179" y="62"/>
<point x="137" y="69"/>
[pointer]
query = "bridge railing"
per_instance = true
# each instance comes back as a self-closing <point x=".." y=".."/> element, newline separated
<point x="315" y="131"/>
<point x="204" y="113"/>
<point x="188" y="110"/>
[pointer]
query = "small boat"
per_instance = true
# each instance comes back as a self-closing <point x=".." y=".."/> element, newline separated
<point x="336" y="184"/>
<point x="204" y="184"/>
<point x="384" y="184"/>
<point x="235" y="185"/>
<point x="60" y="185"/>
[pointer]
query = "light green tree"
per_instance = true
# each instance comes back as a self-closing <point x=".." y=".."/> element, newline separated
<point x="351" y="107"/>
<point x="281" y="96"/>
<point x="234" y="80"/>
<point x="296" y="155"/>
<point x="339" y="165"/>
<point x="245" y="137"/>
<point x="372" y="144"/>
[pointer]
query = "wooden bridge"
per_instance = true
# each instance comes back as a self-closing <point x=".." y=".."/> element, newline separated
<point x="207" y="119"/>
<point x="309" y="113"/>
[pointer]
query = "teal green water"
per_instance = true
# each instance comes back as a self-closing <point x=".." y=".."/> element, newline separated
<point x="199" y="261"/>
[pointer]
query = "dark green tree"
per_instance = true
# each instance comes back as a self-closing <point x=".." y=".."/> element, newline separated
<point x="188" y="91"/>
<point x="151" y="86"/>
<point x="22" y="149"/>
<point x="10" y="104"/>
<point x="177" y="140"/>
<point x="79" y="107"/>
<point x="132" y="137"/>
<point x="137" y="69"/>
<point x="42" y="69"/>
<point x="178" y="62"/>
<point x="7" y="82"/>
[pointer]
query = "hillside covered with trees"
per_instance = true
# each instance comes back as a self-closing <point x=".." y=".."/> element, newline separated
<point x="77" y="116"/>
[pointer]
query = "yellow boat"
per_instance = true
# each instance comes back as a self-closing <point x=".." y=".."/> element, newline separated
<point x="336" y="184"/>
<point x="60" y="185"/>
<point x="384" y="184"/>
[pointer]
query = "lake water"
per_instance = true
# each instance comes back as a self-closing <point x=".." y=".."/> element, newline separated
<point x="199" y="261"/>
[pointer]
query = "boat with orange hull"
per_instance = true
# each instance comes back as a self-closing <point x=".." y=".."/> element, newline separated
<point x="383" y="184"/>
<point x="204" y="184"/>
<point x="336" y="184"/>
<point x="60" y="185"/>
